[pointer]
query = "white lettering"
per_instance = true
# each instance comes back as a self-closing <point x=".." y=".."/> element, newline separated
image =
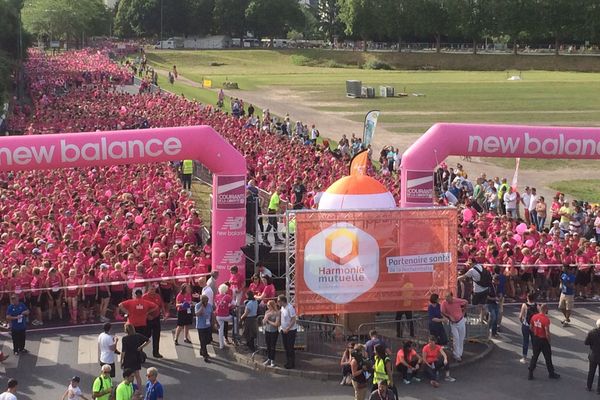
<point x="569" y="144"/>
<point x="509" y="145"/>
<point x="550" y="147"/>
<point x="490" y="144"/>
<point x="65" y="148"/>
<point x="22" y="155"/>
<point x="8" y="154"/>
<point x="122" y="148"/>
<point x="472" y="140"/>
<point x="95" y="156"/>
<point x="149" y="151"/>
<point x="172" y="146"/>
<point x="531" y="141"/>
<point x="42" y="154"/>
<point x="136" y="143"/>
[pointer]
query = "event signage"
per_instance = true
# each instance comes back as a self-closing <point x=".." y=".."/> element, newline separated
<point x="512" y="141"/>
<point x="373" y="260"/>
<point x="201" y="143"/>
<point x="420" y="187"/>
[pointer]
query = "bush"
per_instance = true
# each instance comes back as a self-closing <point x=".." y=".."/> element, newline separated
<point x="302" y="61"/>
<point x="377" y="64"/>
<point x="334" y="64"/>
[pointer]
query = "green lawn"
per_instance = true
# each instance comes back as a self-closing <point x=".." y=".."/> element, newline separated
<point x="582" y="189"/>
<point x="542" y="97"/>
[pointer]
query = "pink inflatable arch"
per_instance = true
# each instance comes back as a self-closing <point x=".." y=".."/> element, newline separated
<point x="443" y="140"/>
<point x="200" y="143"/>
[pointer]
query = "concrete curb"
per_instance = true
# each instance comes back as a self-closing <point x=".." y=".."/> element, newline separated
<point x="247" y="361"/>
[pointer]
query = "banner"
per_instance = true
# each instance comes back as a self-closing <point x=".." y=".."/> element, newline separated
<point x="515" y="180"/>
<point x="360" y="163"/>
<point x="370" y="125"/>
<point x="371" y="261"/>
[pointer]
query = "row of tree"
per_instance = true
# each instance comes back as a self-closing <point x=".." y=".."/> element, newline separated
<point x="550" y="22"/>
<point x="517" y="21"/>
<point x="11" y="43"/>
<point x="71" y="20"/>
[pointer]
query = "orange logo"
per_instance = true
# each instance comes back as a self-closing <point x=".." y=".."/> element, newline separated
<point x="341" y="246"/>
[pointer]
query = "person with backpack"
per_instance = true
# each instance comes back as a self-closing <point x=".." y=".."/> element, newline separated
<point x="528" y="310"/>
<point x="454" y="310"/>
<point x="482" y="280"/>
<point x="102" y="387"/>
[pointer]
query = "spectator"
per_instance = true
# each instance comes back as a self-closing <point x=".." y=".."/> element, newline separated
<point x="132" y="354"/>
<point x="408" y="363"/>
<point x="107" y="346"/>
<point x="436" y="360"/>
<point x="102" y="388"/>
<point x="74" y="392"/>
<point x="11" y="390"/>
<point x="271" y="323"/>
<point x="224" y="305"/>
<point x="288" y="329"/>
<point x="153" y="326"/>
<point x="138" y="310"/>
<point x="126" y="390"/>
<point x="204" y="311"/>
<point x="249" y="318"/>
<point x="17" y="315"/>
<point x="382" y="392"/>
<point x="540" y="339"/>
<point x="183" y="302"/>
<point x="345" y="364"/>
<point x="437" y="320"/>
<point x="454" y="310"/>
<point x="154" y="389"/>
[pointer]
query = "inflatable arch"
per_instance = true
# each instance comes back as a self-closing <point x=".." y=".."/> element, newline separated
<point x="202" y="143"/>
<point x="443" y="140"/>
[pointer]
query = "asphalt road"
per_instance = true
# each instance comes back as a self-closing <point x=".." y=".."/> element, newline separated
<point x="56" y="355"/>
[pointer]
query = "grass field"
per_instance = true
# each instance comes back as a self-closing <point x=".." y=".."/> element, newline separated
<point x="584" y="189"/>
<point x="541" y="97"/>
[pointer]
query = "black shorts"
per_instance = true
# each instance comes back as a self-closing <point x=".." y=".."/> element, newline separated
<point x="526" y="277"/>
<point x="596" y="278"/>
<point x="117" y="297"/>
<point x="55" y="295"/>
<point x="103" y="294"/>
<point x="166" y="294"/>
<point x="34" y="302"/>
<point x="583" y="278"/>
<point x="554" y="280"/>
<point x="479" y="298"/>
<point x="184" y="318"/>
<point x="89" y="301"/>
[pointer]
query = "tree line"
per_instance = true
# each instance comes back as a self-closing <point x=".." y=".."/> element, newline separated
<point x="12" y="40"/>
<point x="550" y="22"/>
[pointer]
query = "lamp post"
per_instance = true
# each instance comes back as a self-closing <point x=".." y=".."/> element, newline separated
<point x="161" y="24"/>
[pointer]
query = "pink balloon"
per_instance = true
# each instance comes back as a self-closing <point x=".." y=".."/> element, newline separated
<point x="467" y="214"/>
<point x="139" y="220"/>
<point x="521" y="228"/>
<point x="108" y="193"/>
<point x="529" y="243"/>
<point x="518" y="238"/>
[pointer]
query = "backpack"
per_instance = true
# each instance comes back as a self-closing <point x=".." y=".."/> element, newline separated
<point x="485" y="278"/>
<point x="101" y="385"/>
<point x="532" y="309"/>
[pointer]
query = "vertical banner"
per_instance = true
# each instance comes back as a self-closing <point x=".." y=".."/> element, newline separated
<point x="229" y="224"/>
<point x="360" y="163"/>
<point x="369" y="128"/>
<point x="368" y="261"/>
<point x="515" y="180"/>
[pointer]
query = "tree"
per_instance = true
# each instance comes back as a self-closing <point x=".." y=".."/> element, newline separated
<point x="66" y="19"/>
<point x="329" y="21"/>
<point x="229" y="17"/>
<point x="431" y="19"/>
<point x="311" y="27"/>
<point x="274" y="18"/>
<point x="472" y="19"/>
<point x="362" y="19"/>
<point x="398" y="19"/>
<point x="199" y="16"/>
<point x="561" y="19"/>
<point x="518" y="19"/>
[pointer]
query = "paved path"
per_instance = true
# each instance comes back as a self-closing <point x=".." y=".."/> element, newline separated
<point x="56" y="355"/>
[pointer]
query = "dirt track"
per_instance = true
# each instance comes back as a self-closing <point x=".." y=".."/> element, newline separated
<point x="333" y="124"/>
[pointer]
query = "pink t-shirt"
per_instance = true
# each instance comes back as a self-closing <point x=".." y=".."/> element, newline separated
<point x="223" y="305"/>
<point x="454" y="311"/>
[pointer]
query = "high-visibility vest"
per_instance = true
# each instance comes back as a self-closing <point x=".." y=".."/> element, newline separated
<point x="379" y="373"/>
<point x="188" y="166"/>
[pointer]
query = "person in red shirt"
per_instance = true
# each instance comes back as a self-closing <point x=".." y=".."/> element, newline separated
<point x="153" y="321"/>
<point x="435" y="360"/>
<point x="408" y="363"/>
<point x="539" y="325"/>
<point x="137" y="311"/>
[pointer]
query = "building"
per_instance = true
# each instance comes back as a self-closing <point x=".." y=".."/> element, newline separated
<point x="207" y="42"/>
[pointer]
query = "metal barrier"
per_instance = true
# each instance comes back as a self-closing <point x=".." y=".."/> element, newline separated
<point x="396" y="332"/>
<point x="476" y="329"/>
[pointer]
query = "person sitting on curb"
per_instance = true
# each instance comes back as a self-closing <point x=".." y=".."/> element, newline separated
<point x="435" y="360"/>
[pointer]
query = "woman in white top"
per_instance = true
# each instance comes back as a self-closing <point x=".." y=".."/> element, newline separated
<point x="73" y="392"/>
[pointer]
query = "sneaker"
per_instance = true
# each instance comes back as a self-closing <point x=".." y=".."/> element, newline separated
<point x="416" y="379"/>
<point x="267" y="362"/>
<point x="272" y="364"/>
<point x="343" y="382"/>
<point x="449" y="379"/>
<point x="406" y="382"/>
<point x="523" y="360"/>
<point x="25" y="351"/>
<point x="157" y="355"/>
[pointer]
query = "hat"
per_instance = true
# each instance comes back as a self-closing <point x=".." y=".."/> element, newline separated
<point x="75" y="379"/>
<point x="593" y="240"/>
<point x="103" y="265"/>
<point x="555" y="222"/>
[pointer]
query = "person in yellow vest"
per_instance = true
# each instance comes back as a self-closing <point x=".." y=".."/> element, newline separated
<point x="274" y="207"/>
<point x="382" y="369"/>
<point x="187" y="169"/>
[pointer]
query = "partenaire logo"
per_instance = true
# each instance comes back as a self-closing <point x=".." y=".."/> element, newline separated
<point x="341" y="263"/>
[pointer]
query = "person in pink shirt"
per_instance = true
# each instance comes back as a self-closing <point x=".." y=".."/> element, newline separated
<point x="237" y="284"/>
<point x="223" y="305"/>
<point x="268" y="293"/>
<point x="454" y="310"/>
